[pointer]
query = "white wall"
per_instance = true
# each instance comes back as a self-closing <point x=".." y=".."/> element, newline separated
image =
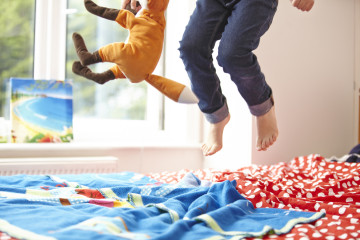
<point x="357" y="71"/>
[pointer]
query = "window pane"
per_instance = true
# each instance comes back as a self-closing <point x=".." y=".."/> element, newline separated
<point x="118" y="99"/>
<point x="16" y="44"/>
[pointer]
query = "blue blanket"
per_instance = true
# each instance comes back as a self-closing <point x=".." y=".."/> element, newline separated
<point x="132" y="206"/>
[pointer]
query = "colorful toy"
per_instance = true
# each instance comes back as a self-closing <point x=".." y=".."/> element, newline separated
<point x="136" y="58"/>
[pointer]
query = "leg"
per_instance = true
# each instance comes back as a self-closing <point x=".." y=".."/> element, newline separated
<point x="203" y="30"/>
<point x="86" y="58"/>
<point x="116" y="52"/>
<point x="249" y="21"/>
<point x="100" y="78"/>
<point x="109" y="53"/>
<point x="107" y="13"/>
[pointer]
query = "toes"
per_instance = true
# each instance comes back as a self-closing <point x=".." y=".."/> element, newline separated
<point x="264" y="145"/>
<point x="210" y="150"/>
<point x="214" y="149"/>
<point x="259" y="146"/>
<point x="272" y="140"/>
<point x="205" y="149"/>
<point x="274" y="137"/>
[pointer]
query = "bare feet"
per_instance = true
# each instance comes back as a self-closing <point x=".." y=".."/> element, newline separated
<point x="214" y="139"/>
<point x="267" y="131"/>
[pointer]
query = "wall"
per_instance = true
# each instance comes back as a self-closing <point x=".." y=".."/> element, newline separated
<point x="309" y="60"/>
<point x="357" y="70"/>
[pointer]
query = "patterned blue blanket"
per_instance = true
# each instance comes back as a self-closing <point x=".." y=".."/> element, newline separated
<point x="132" y="206"/>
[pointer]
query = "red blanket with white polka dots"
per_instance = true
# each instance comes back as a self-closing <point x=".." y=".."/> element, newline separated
<point x="309" y="183"/>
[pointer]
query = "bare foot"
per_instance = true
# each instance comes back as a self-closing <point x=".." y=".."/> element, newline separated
<point x="267" y="131"/>
<point x="214" y="139"/>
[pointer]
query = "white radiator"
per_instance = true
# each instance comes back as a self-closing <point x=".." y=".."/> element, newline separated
<point x="58" y="165"/>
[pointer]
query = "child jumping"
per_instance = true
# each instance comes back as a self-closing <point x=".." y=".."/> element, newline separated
<point x="239" y="25"/>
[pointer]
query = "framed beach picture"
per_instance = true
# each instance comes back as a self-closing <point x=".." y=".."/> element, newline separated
<point x="41" y="111"/>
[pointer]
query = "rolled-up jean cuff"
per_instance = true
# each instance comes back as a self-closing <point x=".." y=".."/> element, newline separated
<point x="218" y="115"/>
<point x="262" y="108"/>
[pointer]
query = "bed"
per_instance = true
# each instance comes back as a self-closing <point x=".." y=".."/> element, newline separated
<point x="309" y="197"/>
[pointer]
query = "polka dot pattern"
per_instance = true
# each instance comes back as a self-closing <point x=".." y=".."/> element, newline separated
<point x="308" y="183"/>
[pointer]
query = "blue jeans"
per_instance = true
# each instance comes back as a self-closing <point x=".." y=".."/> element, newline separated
<point x="238" y="24"/>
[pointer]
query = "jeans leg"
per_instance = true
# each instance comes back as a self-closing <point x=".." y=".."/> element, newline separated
<point x="249" y="20"/>
<point x="205" y="27"/>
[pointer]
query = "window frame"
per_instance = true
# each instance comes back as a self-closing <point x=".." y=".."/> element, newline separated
<point x="160" y="126"/>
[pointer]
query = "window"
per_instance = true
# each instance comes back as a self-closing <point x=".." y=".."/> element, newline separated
<point x="117" y="109"/>
<point x="41" y="47"/>
<point x="16" y="44"/>
<point x="118" y="99"/>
